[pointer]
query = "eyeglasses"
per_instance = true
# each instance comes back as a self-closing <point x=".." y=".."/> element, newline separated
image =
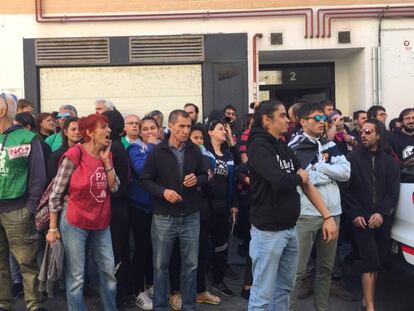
<point x="65" y="115"/>
<point x="132" y="123"/>
<point x="318" y="118"/>
<point x="3" y="95"/>
<point x="366" y="131"/>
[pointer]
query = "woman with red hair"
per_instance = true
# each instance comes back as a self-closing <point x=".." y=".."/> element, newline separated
<point x="81" y="193"/>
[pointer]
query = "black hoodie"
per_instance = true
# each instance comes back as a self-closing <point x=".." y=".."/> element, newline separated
<point x="374" y="184"/>
<point x="273" y="180"/>
<point x="402" y="144"/>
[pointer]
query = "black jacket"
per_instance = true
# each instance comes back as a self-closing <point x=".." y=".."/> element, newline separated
<point x="120" y="160"/>
<point x="160" y="172"/>
<point x="273" y="180"/>
<point x="374" y="184"/>
<point x="402" y="144"/>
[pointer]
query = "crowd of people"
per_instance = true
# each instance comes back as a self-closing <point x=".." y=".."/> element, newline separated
<point x="144" y="212"/>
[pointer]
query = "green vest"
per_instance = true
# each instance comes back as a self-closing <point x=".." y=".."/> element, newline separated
<point x="15" y="149"/>
<point x="54" y="141"/>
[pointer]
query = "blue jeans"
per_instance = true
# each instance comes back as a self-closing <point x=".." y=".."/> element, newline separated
<point x="76" y="242"/>
<point x="274" y="258"/>
<point x="164" y="232"/>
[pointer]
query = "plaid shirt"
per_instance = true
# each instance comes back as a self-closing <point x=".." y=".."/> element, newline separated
<point x="58" y="196"/>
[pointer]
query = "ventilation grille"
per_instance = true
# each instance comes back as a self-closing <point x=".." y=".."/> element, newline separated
<point x="166" y="49"/>
<point x="67" y="51"/>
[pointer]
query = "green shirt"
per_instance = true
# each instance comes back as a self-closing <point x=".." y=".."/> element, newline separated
<point x="15" y="149"/>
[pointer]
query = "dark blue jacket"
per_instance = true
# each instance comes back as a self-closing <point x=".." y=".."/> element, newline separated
<point x="138" y="153"/>
<point x="231" y="179"/>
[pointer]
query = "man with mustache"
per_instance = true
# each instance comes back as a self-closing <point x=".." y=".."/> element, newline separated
<point x="402" y="142"/>
<point x="371" y="210"/>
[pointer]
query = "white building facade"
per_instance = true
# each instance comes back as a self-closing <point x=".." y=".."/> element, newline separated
<point x="355" y="55"/>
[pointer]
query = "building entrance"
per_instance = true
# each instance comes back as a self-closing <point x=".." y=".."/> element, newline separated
<point x="290" y="82"/>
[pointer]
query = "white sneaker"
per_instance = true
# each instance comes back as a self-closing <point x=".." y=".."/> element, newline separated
<point x="150" y="291"/>
<point x="144" y="301"/>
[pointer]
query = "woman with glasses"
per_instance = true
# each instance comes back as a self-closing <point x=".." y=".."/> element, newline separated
<point x="222" y="199"/>
<point x="65" y="112"/>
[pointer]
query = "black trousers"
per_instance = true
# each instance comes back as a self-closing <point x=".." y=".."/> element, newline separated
<point x="203" y="251"/>
<point x="120" y="245"/>
<point x="219" y="236"/>
<point x="142" y="268"/>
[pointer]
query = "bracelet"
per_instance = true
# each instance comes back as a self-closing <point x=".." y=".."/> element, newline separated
<point x="327" y="218"/>
<point x="109" y="169"/>
<point x="53" y="230"/>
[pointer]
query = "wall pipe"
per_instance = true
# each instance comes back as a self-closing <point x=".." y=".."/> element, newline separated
<point x="322" y="13"/>
<point x="255" y="66"/>
<point x="307" y="13"/>
<point x="392" y="14"/>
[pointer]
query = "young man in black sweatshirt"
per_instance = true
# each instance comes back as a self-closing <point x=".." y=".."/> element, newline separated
<point x="171" y="174"/>
<point x="274" y="175"/>
<point x="402" y="142"/>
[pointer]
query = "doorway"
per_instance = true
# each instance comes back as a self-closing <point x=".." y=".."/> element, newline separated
<point x="290" y="82"/>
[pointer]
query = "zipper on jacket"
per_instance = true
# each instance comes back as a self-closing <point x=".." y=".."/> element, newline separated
<point x="373" y="178"/>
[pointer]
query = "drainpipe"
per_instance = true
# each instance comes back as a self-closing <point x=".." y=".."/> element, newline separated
<point x="374" y="67"/>
<point x="255" y="68"/>
<point x="379" y="60"/>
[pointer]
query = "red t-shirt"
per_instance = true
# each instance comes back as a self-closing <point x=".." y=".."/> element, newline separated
<point x="89" y="205"/>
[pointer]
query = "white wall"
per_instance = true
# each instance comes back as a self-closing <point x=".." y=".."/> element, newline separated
<point x="397" y="65"/>
<point x="14" y="28"/>
<point x="133" y="89"/>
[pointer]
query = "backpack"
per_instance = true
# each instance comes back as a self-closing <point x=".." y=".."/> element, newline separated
<point x="42" y="214"/>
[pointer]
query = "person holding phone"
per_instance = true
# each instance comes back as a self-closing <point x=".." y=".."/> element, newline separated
<point x="222" y="199"/>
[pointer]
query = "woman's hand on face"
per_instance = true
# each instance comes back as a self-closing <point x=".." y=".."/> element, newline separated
<point x="152" y="140"/>
<point x="104" y="154"/>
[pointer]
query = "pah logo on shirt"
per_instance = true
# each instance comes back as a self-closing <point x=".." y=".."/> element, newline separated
<point x="19" y="151"/>
<point x="98" y="185"/>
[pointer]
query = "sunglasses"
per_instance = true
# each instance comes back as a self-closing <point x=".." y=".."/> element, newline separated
<point x="65" y="115"/>
<point x="318" y="118"/>
<point x="3" y="95"/>
<point x="366" y="131"/>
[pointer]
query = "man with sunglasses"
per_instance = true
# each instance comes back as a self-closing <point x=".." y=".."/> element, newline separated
<point x="22" y="180"/>
<point x="326" y="166"/>
<point x="370" y="198"/>
<point x="65" y="112"/>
